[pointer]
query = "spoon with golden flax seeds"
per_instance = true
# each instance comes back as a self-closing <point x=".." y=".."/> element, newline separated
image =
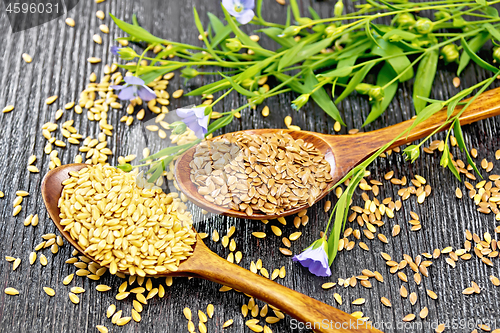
<point x="342" y="152"/>
<point x="205" y="264"/>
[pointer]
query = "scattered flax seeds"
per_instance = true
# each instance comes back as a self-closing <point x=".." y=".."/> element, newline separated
<point x="169" y="216"/>
<point x="267" y="173"/>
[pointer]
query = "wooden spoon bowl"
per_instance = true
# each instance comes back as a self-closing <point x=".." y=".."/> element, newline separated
<point x="343" y="152"/>
<point x="207" y="265"/>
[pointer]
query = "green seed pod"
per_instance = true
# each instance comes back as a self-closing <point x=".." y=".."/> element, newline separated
<point x="189" y="73"/>
<point x="450" y="53"/>
<point x="496" y="54"/>
<point x="405" y="20"/>
<point x="300" y="101"/>
<point x="424" y="26"/>
<point x="125" y="167"/>
<point x="338" y="9"/>
<point x="441" y="15"/>
<point x="376" y="93"/>
<point x="178" y="127"/>
<point x="290" y="31"/>
<point x="363" y="88"/>
<point x="233" y="44"/>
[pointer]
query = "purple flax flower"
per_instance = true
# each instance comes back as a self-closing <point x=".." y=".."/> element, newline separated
<point x="134" y="87"/>
<point x="114" y="50"/>
<point x="241" y="9"/>
<point x="315" y="258"/>
<point x="195" y="119"/>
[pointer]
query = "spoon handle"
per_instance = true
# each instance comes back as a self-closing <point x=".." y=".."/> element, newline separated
<point x="485" y="106"/>
<point x="304" y="308"/>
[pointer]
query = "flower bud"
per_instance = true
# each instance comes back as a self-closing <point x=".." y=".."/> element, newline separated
<point x="125" y="167"/>
<point x="178" y="127"/>
<point x="496" y="54"/>
<point x="405" y="20"/>
<point x="300" y="101"/>
<point x="424" y="26"/>
<point x="412" y="152"/>
<point x="332" y="29"/>
<point x="376" y="93"/>
<point x="233" y="44"/>
<point x="189" y="73"/>
<point x="441" y="15"/>
<point x="338" y="9"/>
<point x="127" y="53"/>
<point x="290" y="31"/>
<point x="450" y="53"/>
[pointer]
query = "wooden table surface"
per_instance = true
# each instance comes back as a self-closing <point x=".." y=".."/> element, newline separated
<point x="60" y="68"/>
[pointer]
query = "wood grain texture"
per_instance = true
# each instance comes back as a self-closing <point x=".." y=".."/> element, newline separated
<point x="206" y="264"/>
<point x="59" y="67"/>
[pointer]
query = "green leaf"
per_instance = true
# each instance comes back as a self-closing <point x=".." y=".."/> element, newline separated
<point x="341" y="211"/>
<point x="395" y="35"/>
<point x="426" y="113"/>
<point x="340" y="71"/>
<point x="369" y="33"/>
<point x="482" y="2"/>
<point x="137" y="31"/>
<point x="424" y="80"/>
<point x="237" y="87"/>
<point x="385" y="75"/>
<point x="356" y="49"/>
<point x="457" y="129"/>
<point x="290" y="55"/>
<point x="166" y="152"/>
<point x="211" y="87"/>
<point x="244" y="37"/>
<point x="158" y="170"/>
<point x="356" y="79"/>
<point x="474" y="44"/>
<point x="400" y="64"/>
<point x="219" y="123"/>
<point x="295" y="9"/>
<point x="221" y="31"/>
<point x="451" y="107"/>
<point x="294" y="84"/>
<point x="493" y="31"/>
<point x="312" y="49"/>
<point x="320" y="96"/>
<point x="476" y="58"/>
<point x="452" y="167"/>
<point x="273" y="33"/>
<point x="201" y="30"/>
<point x="313" y="13"/>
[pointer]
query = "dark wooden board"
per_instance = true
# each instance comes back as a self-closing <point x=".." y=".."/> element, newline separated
<point x="60" y="68"/>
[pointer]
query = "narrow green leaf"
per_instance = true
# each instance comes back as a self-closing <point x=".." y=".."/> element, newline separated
<point x="273" y="33"/>
<point x="426" y="113"/>
<point x="157" y="173"/>
<point x="340" y="71"/>
<point x="474" y="44"/>
<point x="314" y="14"/>
<point x="244" y="37"/>
<point x="258" y="9"/>
<point x="201" y="31"/>
<point x="451" y="107"/>
<point x="137" y="31"/>
<point x="493" y="31"/>
<point x="400" y="64"/>
<point x="385" y="75"/>
<point x="290" y="55"/>
<point x="457" y="129"/>
<point x="395" y="35"/>
<point x="476" y="58"/>
<point x="368" y="32"/>
<point x="320" y="96"/>
<point x="211" y="87"/>
<point x="219" y="123"/>
<point x="166" y="152"/>
<point x="312" y="49"/>
<point x="237" y="87"/>
<point x="356" y="79"/>
<point x="292" y="83"/>
<point x="452" y="167"/>
<point x="288" y="17"/>
<point x="481" y="2"/>
<point x="221" y="31"/>
<point x="356" y="49"/>
<point x="295" y="9"/>
<point x="424" y="79"/>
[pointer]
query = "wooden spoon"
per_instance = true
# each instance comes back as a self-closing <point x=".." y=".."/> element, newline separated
<point x="207" y="265"/>
<point x="343" y="152"/>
